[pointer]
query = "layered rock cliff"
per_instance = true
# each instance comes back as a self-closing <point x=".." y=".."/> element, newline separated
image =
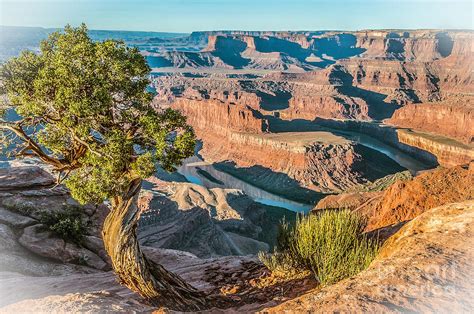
<point x="233" y="123"/>
<point x="366" y="87"/>
<point x="302" y="51"/>
<point x="399" y="76"/>
<point x="406" y="199"/>
<point x="446" y="152"/>
<point x="372" y="68"/>
<point x="219" y="117"/>
<point x="439" y="118"/>
<point x="430" y="148"/>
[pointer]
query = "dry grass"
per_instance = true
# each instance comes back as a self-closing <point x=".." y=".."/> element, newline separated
<point x="329" y="244"/>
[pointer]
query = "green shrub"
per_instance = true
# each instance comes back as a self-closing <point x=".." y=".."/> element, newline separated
<point x="67" y="224"/>
<point x="285" y="235"/>
<point x="283" y="265"/>
<point x="23" y="209"/>
<point x="330" y="244"/>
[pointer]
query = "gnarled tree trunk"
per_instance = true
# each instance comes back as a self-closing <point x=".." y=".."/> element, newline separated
<point x="150" y="280"/>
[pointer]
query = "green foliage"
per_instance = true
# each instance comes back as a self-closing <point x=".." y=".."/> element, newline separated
<point x="330" y="244"/>
<point x="283" y="265"/>
<point x="285" y="234"/>
<point x="144" y="165"/>
<point x="85" y="103"/>
<point x="21" y="208"/>
<point x="67" y="224"/>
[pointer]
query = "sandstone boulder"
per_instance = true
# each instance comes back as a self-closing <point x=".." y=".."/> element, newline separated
<point x="16" y="259"/>
<point x="96" y="245"/>
<point x="403" y="201"/>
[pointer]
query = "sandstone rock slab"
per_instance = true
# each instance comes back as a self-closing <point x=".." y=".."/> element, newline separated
<point x="43" y="243"/>
<point x="7" y="238"/>
<point x="24" y="177"/>
<point x="15" y="220"/>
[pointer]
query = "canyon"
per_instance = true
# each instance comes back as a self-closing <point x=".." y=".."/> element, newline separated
<point x="380" y="122"/>
<point x="410" y="90"/>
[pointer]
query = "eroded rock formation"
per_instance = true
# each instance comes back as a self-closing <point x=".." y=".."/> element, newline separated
<point x="453" y="119"/>
<point x="444" y="151"/>
<point x="418" y="80"/>
<point x="207" y="222"/>
<point x="406" y="199"/>
<point x="320" y="161"/>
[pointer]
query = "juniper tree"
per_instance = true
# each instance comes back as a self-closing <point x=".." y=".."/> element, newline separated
<point x="85" y="111"/>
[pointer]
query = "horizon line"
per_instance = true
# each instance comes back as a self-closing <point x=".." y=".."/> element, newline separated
<point x="255" y="30"/>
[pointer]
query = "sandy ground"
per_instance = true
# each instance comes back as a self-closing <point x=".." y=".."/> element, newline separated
<point x="298" y="139"/>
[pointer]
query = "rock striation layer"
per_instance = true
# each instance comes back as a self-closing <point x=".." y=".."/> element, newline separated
<point x="439" y="117"/>
<point x="319" y="161"/>
<point x="406" y="199"/>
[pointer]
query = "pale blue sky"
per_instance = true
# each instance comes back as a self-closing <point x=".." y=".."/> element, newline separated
<point x="189" y="15"/>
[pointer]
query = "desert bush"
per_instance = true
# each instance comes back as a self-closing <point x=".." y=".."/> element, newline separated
<point x="330" y="244"/>
<point x="283" y="265"/>
<point x="68" y="224"/>
<point x="18" y="207"/>
<point x="285" y="235"/>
